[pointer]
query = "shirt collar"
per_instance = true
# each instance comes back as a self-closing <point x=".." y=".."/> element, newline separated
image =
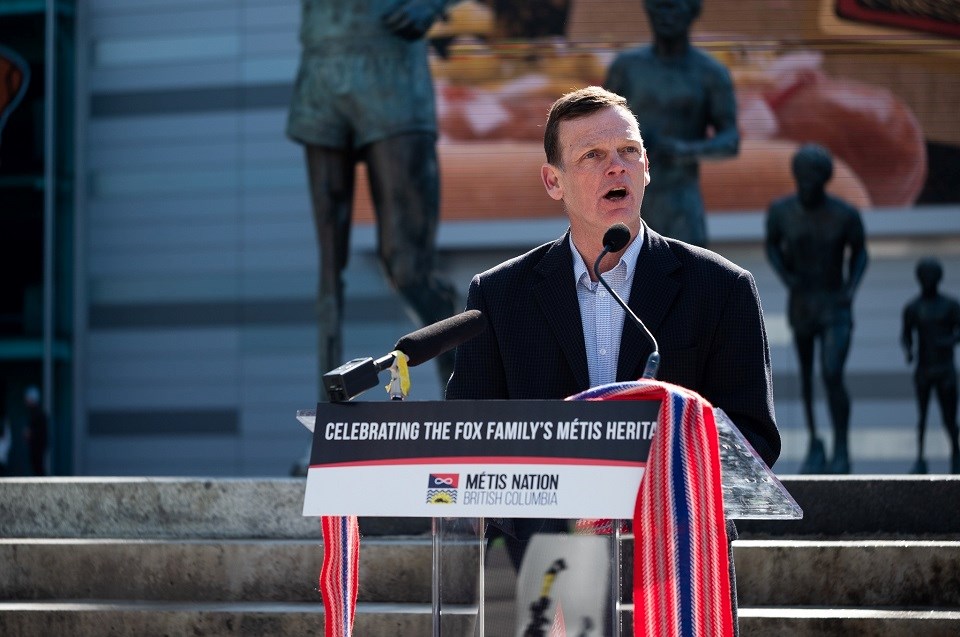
<point x="628" y="259"/>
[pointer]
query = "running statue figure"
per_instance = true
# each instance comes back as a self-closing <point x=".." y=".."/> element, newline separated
<point x="685" y="103"/>
<point x="364" y="93"/>
<point x="811" y="238"/>
<point x="935" y="318"/>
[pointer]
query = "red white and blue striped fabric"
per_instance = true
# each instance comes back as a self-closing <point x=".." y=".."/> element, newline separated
<point x="681" y="584"/>
<point x="339" y="573"/>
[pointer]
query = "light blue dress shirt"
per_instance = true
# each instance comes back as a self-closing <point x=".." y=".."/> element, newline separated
<point x="600" y="313"/>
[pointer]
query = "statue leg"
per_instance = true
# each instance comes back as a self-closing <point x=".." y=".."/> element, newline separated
<point x="923" y="387"/>
<point x="331" y="175"/>
<point x="947" y="395"/>
<point x="405" y="184"/>
<point x="836" y="345"/>
<point x="815" y="460"/>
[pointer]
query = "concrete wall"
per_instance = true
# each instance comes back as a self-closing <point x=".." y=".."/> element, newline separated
<point x="200" y="269"/>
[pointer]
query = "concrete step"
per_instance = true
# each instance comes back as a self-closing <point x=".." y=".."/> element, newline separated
<point x="863" y="506"/>
<point x="855" y="574"/>
<point x="168" y="508"/>
<point x="847" y="573"/>
<point x="163" y="619"/>
<point x="840" y="622"/>
<point x="834" y="506"/>
<point x="391" y="570"/>
<point x="847" y="622"/>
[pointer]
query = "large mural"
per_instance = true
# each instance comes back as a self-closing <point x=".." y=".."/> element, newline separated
<point x="873" y="84"/>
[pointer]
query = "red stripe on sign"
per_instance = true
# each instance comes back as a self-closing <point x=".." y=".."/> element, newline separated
<point x="545" y="462"/>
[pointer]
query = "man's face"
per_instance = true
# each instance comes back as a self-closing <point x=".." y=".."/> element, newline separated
<point x="669" y="18"/>
<point x="604" y="173"/>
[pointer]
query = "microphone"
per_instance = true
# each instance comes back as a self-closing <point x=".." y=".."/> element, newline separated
<point x="431" y="341"/>
<point x="357" y="376"/>
<point x="616" y="239"/>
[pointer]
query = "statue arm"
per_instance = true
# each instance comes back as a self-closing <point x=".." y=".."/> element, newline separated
<point x="858" y="265"/>
<point x="906" y="333"/>
<point x="773" y="246"/>
<point x="858" y="257"/>
<point x="722" y="119"/>
<point x="412" y="19"/>
<point x="955" y="321"/>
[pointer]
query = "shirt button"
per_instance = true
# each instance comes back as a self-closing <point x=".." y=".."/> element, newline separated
<point x="603" y="351"/>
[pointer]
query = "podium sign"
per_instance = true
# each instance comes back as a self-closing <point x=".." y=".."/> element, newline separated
<point x="498" y="458"/>
<point x="508" y="458"/>
<point x="489" y="458"/>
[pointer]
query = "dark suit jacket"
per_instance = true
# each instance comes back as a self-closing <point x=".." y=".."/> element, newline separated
<point x="703" y="310"/>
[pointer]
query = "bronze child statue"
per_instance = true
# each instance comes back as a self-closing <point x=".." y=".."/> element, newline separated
<point x="685" y="103"/>
<point x="935" y="318"/>
<point x="816" y="244"/>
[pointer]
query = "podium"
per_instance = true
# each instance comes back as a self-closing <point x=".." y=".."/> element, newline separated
<point x="463" y="463"/>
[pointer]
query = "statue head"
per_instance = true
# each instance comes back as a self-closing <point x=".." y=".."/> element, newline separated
<point x="929" y="273"/>
<point x="672" y="18"/>
<point x="579" y="103"/>
<point x="812" y="169"/>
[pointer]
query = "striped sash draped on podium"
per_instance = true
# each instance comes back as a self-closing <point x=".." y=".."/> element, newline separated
<point x="681" y="581"/>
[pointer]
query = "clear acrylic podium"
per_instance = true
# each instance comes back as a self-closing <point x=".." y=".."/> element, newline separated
<point x="750" y="491"/>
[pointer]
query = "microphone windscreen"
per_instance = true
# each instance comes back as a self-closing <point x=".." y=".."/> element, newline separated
<point x="433" y="340"/>
<point x="616" y="237"/>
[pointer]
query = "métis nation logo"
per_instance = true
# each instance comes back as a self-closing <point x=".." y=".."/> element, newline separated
<point x="442" y="488"/>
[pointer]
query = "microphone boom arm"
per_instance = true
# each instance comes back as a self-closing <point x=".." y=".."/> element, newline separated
<point x="653" y="361"/>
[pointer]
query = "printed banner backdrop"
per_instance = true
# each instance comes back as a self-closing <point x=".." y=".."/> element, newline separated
<point x="866" y="81"/>
<point x="542" y="459"/>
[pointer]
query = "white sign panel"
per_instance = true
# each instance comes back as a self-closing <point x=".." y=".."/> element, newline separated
<point x="539" y="459"/>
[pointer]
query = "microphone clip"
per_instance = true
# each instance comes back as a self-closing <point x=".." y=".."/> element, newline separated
<point x="354" y="377"/>
<point x="399" y="385"/>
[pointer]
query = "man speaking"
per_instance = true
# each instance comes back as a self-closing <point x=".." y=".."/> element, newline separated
<point x="554" y="332"/>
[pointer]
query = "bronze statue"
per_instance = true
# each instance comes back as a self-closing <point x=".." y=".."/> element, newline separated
<point x="364" y="93"/>
<point x="684" y="101"/>
<point x="935" y="318"/>
<point x="812" y="238"/>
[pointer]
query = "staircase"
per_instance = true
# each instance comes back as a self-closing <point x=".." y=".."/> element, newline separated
<point x="170" y="557"/>
<point x="874" y="556"/>
<point x="167" y="557"/>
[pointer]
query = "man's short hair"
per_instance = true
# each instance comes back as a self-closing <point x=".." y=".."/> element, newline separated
<point x="572" y="105"/>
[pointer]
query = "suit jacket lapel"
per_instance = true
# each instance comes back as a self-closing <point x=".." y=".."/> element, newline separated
<point x="556" y="295"/>
<point x="655" y="285"/>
